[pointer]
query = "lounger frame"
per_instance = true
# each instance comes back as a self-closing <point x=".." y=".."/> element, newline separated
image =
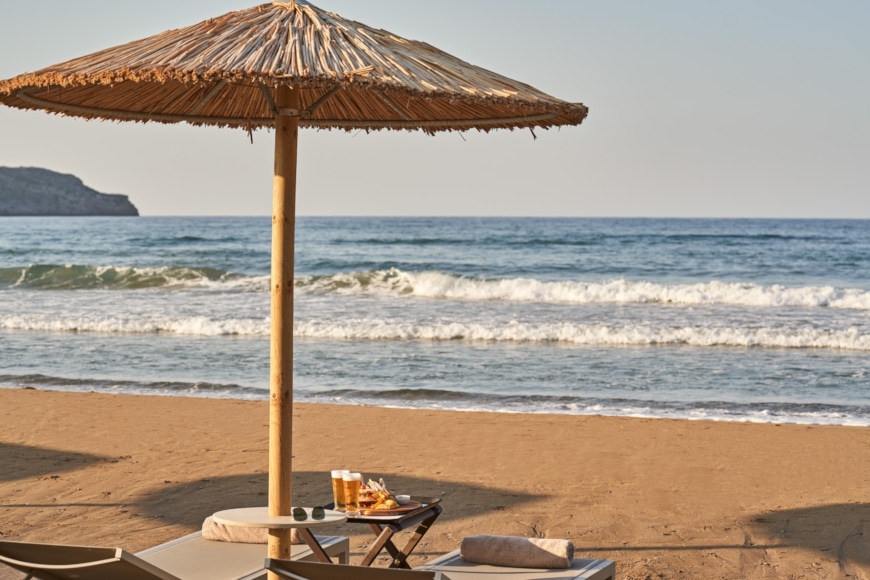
<point x="61" y="562"/>
<point x="190" y="557"/>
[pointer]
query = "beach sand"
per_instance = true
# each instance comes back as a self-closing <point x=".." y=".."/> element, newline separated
<point x="663" y="498"/>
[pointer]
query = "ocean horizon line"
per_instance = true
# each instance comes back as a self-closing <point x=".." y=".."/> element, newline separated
<point x="464" y="217"/>
<point x="511" y="217"/>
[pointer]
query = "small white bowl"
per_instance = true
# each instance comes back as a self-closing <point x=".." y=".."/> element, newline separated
<point x="403" y="499"/>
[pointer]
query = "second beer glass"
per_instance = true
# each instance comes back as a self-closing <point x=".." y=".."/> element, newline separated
<point x="352" y="483"/>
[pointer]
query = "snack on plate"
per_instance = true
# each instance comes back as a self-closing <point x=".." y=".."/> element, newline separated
<point x="374" y="495"/>
<point x="366" y="497"/>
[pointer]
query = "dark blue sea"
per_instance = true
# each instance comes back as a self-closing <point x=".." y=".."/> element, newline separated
<point x="739" y="320"/>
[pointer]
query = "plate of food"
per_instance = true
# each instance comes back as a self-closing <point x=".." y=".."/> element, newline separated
<point x="376" y="500"/>
<point x="397" y="511"/>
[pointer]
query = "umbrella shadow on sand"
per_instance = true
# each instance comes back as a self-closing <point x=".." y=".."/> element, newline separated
<point x="836" y="531"/>
<point x="19" y="462"/>
<point x="189" y="503"/>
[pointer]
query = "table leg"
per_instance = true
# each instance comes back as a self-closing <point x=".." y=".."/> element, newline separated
<point x="384" y="541"/>
<point x="383" y="538"/>
<point x="400" y="557"/>
<point x="315" y="546"/>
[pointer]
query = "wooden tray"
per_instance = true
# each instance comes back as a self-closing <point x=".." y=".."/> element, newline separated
<point x="402" y="509"/>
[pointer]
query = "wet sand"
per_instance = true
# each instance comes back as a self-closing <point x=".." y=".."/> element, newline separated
<point x="663" y="498"/>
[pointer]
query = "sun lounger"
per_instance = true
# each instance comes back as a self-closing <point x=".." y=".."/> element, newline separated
<point x="188" y="558"/>
<point x="452" y="567"/>
<point x="448" y="567"/>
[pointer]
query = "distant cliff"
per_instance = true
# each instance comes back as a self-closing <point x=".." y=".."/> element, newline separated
<point x="31" y="191"/>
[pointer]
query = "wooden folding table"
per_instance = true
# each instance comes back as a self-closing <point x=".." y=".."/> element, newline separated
<point x="386" y="526"/>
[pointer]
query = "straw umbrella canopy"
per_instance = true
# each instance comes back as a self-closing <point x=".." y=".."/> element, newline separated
<point x="286" y="65"/>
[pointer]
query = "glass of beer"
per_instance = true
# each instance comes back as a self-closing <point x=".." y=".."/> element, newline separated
<point x="352" y="482"/>
<point x="338" y="489"/>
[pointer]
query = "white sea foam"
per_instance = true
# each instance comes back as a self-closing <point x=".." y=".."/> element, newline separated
<point x="743" y="414"/>
<point x="516" y="332"/>
<point x="588" y="335"/>
<point x="192" y="326"/>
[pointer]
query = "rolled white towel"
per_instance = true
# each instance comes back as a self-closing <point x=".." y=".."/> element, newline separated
<point x="211" y="530"/>
<point x="517" y="552"/>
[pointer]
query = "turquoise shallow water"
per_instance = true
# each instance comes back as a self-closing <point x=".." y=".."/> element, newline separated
<point x="760" y="320"/>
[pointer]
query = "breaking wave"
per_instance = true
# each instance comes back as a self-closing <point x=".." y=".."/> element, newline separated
<point x="77" y="277"/>
<point x="439" y="285"/>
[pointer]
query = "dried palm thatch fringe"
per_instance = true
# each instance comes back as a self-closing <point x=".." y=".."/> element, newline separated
<point x="223" y="72"/>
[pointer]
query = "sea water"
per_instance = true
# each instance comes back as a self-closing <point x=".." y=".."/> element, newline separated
<point x="745" y="320"/>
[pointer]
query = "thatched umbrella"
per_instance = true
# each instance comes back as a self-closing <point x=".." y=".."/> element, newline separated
<point x="286" y="65"/>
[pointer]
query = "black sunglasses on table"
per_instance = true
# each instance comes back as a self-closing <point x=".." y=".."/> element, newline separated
<point x="317" y="513"/>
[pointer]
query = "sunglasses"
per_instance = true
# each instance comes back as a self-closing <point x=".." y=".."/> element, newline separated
<point x="317" y="513"/>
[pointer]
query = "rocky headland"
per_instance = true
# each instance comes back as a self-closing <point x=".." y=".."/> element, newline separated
<point x="32" y="191"/>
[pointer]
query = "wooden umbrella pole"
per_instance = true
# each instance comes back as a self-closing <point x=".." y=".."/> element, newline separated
<point x="281" y="362"/>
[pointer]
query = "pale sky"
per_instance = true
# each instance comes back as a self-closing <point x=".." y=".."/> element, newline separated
<point x="745" y="108"/>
